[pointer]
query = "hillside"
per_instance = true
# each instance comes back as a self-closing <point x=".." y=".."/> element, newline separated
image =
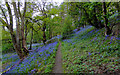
<point x="86" y="51"/>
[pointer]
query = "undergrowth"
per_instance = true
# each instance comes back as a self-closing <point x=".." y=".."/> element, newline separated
<point x="40" y="61"/>
<point x="91" y="52"/>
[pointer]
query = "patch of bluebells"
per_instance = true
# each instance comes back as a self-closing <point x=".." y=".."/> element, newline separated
<point x="30" y="61"/>
<point x="39" y="65"/>
<point x="112" y="37"/>
<point x="89" y="53"/>
<point x="91" y="31"/>
<point x="76" y="37"/>
<point x="89" y="34"/>
<point x="118" y="39"/>
<point x="34" y="70"/>
<point x="9" y="56"/>
<point x="106" y="37"/>
<point x="75" y="30"/>
<point x="14" y="59"/>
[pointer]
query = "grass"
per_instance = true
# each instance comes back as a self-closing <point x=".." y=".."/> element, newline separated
<point x="90" y="52"/>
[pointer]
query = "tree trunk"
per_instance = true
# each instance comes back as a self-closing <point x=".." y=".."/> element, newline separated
<point x="15" y="40"/>
<point x="31" y="41"/>
<point x="44" y="35"/>
<point x="18" y="50"/>
<point x="26" y="32"/>
<point x="17" y="26"/>
<point x="107" y="29"/>
<point x="23" y="38"/>
<point x="22" y="32"/>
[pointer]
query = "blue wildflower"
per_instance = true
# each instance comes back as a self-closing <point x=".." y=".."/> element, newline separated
<point x="47" y="55"/>
<point x="117" y="38"/>
<point x="95" y="38"/>
<point x="33" y="71"/>
<point x="89" y="53"/>
<point x="73" y="43"/>
<point x="39" y="64"/>
<point x="44" y="58"/>
<point x="106" y="36"/>
<point x="110" y="42"/>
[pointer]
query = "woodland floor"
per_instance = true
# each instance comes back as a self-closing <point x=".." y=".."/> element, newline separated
<point x="58" y="61"/>
<point x="85" y="51"/>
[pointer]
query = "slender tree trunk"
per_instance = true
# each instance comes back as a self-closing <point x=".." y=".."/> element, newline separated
<point x="31" y="41"/>
<point x="17" y="26"/>
<point x="25" y="32"/>
<point x="44" y="35"/>
<point x="18" y="34"/>
<point x="50" y="33"/>
<point x="107" y="29"/>
<point x="22" y="32"/>
<point x="23" y="38"/>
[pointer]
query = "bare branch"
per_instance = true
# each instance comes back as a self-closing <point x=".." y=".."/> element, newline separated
<point x="4" y="14"/>
<point x="24" y="9"/>
<point x="19" y="9"/>
<point x="4" y="23"/>
<point x="10" y="15"/>
<point x="15" y="9"/>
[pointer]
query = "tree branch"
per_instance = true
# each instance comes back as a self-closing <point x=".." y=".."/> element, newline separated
<point x="19" y="9"/>
<point x="15" y="9"/>
<point x="10" y="16"/>
<point x="4" y="14"/>
<point x="4" y="23"/>
<point x="24" y="9"/>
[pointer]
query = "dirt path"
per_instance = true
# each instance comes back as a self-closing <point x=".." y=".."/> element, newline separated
<point x="58" y="61"/>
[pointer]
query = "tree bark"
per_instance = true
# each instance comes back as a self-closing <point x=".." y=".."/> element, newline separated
<point x="18" y="50"/>
<point x="44" y="35"/>
<point x="10" y="27"/>
<point x="26" y="30"/>
<point x="44" y="24"/>
<point x="31" y="41"/>
<point x="107" y="29"/>
<point x="22" y="32"/>
<point x="17" y="26"/>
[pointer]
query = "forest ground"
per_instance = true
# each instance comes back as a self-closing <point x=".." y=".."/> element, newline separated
<point x="87" y="51"/>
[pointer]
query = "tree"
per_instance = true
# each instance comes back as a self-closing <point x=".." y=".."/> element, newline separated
<point x="108" y="31"/>
<point x="96" y="14"/>
<point x="19" y="19"/>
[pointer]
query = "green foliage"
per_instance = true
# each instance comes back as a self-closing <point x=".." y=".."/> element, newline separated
<point x="7" y="45"/>
<point x="92" y="13"/>
<point x="89" y="52"/>
<point x="67" y="28"/>
<point x="7" y="48"/>
<point x="5" y="35"/>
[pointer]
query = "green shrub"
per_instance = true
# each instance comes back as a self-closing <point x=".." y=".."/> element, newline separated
<point x="7" y="48"/>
